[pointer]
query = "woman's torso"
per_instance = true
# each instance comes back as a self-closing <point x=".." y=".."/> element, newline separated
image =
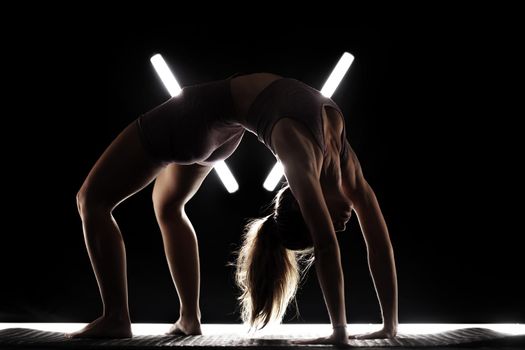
<point x="207" y="122"/>
<point x="247" y="88"/>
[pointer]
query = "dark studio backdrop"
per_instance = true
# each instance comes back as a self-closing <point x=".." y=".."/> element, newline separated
<point x="424" y="106"/>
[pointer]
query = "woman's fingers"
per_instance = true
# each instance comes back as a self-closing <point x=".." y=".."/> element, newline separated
<point x="382" y="334"/>
<point x="322" y="340"/>
<point x="309" y="341"/>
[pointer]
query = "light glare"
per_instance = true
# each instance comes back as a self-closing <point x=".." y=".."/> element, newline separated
<point x="283" y="329"/>
<point x="165" y="74"/>
<point x="273" y="178"/>
<point x="226" y="177"/>
<point x="337" y="75"/>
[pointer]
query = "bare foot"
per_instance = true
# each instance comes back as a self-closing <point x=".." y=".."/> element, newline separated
<point x="104" y="327"/>
<point x="185" y="328"/>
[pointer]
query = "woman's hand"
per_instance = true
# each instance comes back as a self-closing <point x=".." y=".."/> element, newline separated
<point x="338" y="337"/>
<point x="381" y="334"/>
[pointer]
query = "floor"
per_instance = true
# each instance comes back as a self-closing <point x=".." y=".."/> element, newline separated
<point x="151" y="336"/>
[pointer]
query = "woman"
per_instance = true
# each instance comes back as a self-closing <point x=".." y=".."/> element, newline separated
<point x="177" y="144"/>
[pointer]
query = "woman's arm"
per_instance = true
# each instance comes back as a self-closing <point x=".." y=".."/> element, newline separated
<point x="380" y="256"/>
<point x="307" y="191"/>
<point x="302" y="163"/>
<point x="375" y="233"/>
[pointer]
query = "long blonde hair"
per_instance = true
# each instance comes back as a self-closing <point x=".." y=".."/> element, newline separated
<point x="276" y="251"/>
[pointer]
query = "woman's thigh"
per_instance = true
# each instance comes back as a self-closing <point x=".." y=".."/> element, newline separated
<point x="123" y="169"/>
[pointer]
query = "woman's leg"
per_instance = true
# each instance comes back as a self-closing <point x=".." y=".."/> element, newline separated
<point x="174" y="187"/>
<point x="122" y="170"/>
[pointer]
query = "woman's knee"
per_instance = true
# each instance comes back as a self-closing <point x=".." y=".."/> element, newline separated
<point x="165" y="208"/>
<point x="88" y="204"/>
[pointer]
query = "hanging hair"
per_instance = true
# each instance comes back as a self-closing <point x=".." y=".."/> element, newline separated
<point x="276" y="251"/>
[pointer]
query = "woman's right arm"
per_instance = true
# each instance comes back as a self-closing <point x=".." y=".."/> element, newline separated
<point x="307" y="190"/>
<point x="301" y="162"/>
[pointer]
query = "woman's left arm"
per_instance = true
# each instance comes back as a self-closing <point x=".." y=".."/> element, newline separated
<point x="380" y="257"/>
<point x="380" y="252"/>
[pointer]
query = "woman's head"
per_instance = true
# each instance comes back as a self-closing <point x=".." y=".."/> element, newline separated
<point x="276" y="250"/>
<point x="290" y="226"/>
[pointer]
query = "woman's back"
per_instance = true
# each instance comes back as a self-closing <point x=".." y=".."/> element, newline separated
<point x="268" y="104"/>
<point x="245" y="88"/>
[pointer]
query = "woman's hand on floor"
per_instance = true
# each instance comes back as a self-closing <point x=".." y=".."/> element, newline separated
<point x="337" y="338"/>
<point x="384" y="333"/>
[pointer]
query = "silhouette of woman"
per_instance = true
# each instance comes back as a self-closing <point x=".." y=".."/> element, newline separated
<point x="177" y="144"/>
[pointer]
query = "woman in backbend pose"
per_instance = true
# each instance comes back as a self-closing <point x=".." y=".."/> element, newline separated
<point x="178" y="142"/>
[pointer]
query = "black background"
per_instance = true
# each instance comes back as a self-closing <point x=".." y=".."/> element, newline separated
<point x="430" y="106"/>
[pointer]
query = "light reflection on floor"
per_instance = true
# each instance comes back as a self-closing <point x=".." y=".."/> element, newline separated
<point x="283" y="329"/>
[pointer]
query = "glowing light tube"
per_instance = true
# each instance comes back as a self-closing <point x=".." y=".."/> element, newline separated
<point x="226" y="176"/>
<point x="337" y="75"/>
<point x="165" y="74"/>
<point x="274" y="177"/>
